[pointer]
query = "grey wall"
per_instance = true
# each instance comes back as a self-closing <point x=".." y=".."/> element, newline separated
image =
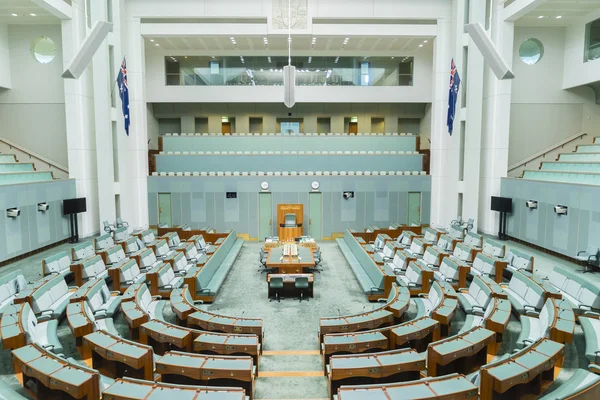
<point x="542" y="113"/>
<point x="33" y="229"/>
<point x="543" y="227"/>
<point x="200" y="201"/>
<point x="33" y="111"/>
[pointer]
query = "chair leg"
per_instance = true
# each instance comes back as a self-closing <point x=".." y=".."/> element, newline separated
<point x="301" y="295"/>
<point x="588" y="268"/>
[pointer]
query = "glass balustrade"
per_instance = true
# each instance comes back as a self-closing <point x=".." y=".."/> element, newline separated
<point x="268" y="71"/>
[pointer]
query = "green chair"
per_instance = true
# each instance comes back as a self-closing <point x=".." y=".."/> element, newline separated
<point x="276" y="284"/>
<point x="301" y="284"/>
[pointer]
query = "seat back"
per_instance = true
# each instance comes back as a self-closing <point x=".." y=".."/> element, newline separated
<point x="147" y="258"/>
<point x="399" y="260"/>
<point x="432" y="256"/>
<point x="592" y="250"/>
<point x="547" y="315"/>
<point x="276" y="281"/>
<point x="148" y="237"/>
<point x="179" y="262"/>
<point x="435" y="295"/>
<point x="57" y="263"/>
<point x="93" y="267"/>
<point x="97" y="296"/>
<point x="132" y="245"/>
<point x="82" y="251"/>
<point x="388" y="250"/>
<point x="519" y="260"/>
<point x="121" y="234"/>
<point x="449" y="268"/>
<point x="463" y="252"/>
<point x="166" y="275"/>
<point x="413" y="273"/>
<point x="128" y="272"/>
<point x="115" y="254"/>
<point x="417" y="246"/>
<point x="473" y="239"/>
<point x="143" y="298"/>
<point x="494" y="249"/>
<point x="445" y="243"/>
<point x="484" y="294"/>
<point x="49" y="293"/>
<point x="430" y="235"/>
<point x="484" y="264"/>
<point x="11" y="284"/>
<point x="190" y="251"/>
<point x="104" y="242"/>
<point x="162" y="248"/>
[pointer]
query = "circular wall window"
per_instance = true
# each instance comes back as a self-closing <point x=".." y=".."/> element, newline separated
<point x="531" y="51"/>
<point x="43" y="49"/>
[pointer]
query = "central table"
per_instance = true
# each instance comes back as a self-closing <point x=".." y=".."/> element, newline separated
<point x="287" y="264"/>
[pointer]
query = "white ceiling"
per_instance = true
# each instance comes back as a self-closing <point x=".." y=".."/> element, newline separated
<point x="568" y="10"/>
<point x="279" y="43"/>
<point x="24" y="9"/>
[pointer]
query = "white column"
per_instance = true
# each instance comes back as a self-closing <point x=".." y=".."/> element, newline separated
<point x="103" y="123"/>
<point x="133" y="149"/>
<point x="473" y="118"/>
<point x="445" y="148"/>
<point x="496" y="130"/>
<point x="79" y="108"/>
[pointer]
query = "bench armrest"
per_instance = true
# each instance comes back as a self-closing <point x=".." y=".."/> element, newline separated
<point x="422" y="295"/>
<point x="157" y="297"/>
<point x="591" y="314"/>
<point x="129" y="282"/>
<point x="532" y="313"/>
<point x="382" y="300"/>
<point x="73" y="287"/>
<point x="463" y="290"/>
<point x="594" y="368"/>
<point x="412" y="284"/>
<point x="478" y="312"/>
<point x="198" y="302"/>
<point x="584" y="307"/>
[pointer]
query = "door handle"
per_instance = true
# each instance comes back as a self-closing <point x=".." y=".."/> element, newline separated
<point x="271" y="222"/>
<point x="310" y="221"/>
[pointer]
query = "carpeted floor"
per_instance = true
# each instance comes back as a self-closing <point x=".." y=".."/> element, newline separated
<point x="291" y="362"/>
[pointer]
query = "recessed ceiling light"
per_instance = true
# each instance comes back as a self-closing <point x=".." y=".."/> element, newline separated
<point x="558" y="16"/>
<point x="156" y="44"/>
<point x="424" y="41"/>
<point x="185" y="57"/>
<point x="32" y="14"/>
<point x="152" y="40"/>
<point x="540" y="17"/>
<point x="14" y="15"/>
<point x="392" y="58"/>
<point x="420" y="45"/>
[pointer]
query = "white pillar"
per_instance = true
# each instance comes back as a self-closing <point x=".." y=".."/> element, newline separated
<point x="496" y="129"/>
<point x="103" y="122"/>
<point x="133" y="149"/>
<point x="445" y="148"/>
<point x="79" y="108"/>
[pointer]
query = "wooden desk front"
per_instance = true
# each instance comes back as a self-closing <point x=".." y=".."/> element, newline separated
<point x="289" y="281"/>
<point x="287" y="264"/>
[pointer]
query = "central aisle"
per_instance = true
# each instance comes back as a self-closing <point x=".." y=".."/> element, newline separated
<point x="291" y="360"/>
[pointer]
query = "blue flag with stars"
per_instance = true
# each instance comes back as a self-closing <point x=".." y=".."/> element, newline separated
<point x="124" y="94"/>
<point x="452" y="96"/>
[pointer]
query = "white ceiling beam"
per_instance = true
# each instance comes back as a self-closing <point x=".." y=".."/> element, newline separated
<point x="375" y="30"/>
<point x="58" y="8"/>
<point x="191" y="29"/>
<point x="520" y="8"/>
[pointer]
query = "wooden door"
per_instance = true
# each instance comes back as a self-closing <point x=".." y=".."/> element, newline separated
<point x="353" y="128"/>
<point x="226" y="128"/>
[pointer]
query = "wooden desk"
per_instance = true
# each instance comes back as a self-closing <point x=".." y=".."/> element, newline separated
<point x="354" y="323"/>
<point x="534" y="363"/>
<point x="162" y="337"/>
<point x="52" y="375"/>
<point x="228" y="344"/>
<point x="498" y="320"/>
<point x="290" y="265"/>
<point x="417" y="334"/>
<point x="134" y="316"/>
<point x="79" y="323"/>
<point x="289" y="281"/>
<point x="391" y="366"/>
<point x="12" y="326"/>
<point x="354" y="343"/>
<point x="217" y="323"/>
<point x="455" y="387"/>
<point x="185" y="368"/>
<point x="134" y="389"/>
<point x="116" y="357"/>
<point x="562" y="328"/>
<point x="462" y="353"/>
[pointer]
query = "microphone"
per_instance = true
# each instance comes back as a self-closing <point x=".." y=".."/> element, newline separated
<point x="363" y="311"/>
<point x="339" y="312"/>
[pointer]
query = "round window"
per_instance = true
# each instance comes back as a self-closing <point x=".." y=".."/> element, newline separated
<point x="43" y="49"/>
<point x="531" y="51"/>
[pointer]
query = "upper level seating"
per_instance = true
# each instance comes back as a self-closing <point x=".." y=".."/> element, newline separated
<point x="114" y="255"/>
<point x="464" y="252"/>
<point x="19" y="326"/>
<point x="582" y="294"/>
<point x="405" y="239"/>
<point x="417" y="248"/>
<point x="453" y="386"/>
<point x="432" y="235"/>
<point x="525" y="294"/>
<point x="16" y="167"/>
<point x="104" y="242"/>
<point x="493" y="248"/>
<point x="59" y="263"/>
<point x="432" y="257"/>
<point x="11" y="285"/>
<point x="147" y="260"/>
<point x="8" y="158"/>
<point x="555" y="321"/>
<point x="162" y="249"/>
<point x="378" y="244"/>
<point x="146" y="236"/>
<point x="162" y="280"/>
<point x="281" y="142"/>
<point x="102" y="302"/>
<point x="519" y="261"/>
<point x="82" y="251"/>
<point x="400" y="262"/>
<point x="446" y="243"/>
<point x="50" y="300"/>
<point x="133" y="245"/>
<point x="12" y="178"/>
<point x="91" y="268"/>
<point x="121" y="234"/>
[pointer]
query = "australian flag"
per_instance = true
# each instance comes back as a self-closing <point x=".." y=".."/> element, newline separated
<point x="124" y="94"/>
<point x="452" y="96"/>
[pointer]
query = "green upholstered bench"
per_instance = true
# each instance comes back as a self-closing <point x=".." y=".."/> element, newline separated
<point x="581" y="293"/>
<point x="524" y="293"/>
<point x="591" y="331"/>
<point x="369" y="275"/>
<point x="82" y="251"/>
